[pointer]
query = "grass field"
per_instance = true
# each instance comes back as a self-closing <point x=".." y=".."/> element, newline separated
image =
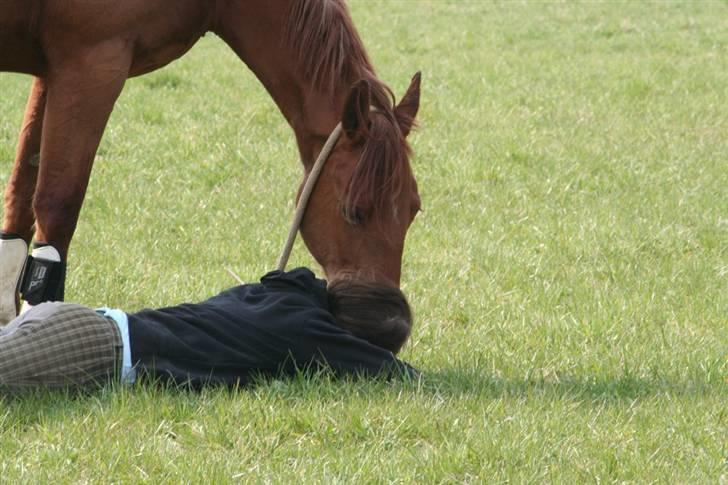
<point x="569" y="274"/>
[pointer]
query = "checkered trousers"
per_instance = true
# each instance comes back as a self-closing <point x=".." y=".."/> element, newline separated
<point x="58" y="345"/>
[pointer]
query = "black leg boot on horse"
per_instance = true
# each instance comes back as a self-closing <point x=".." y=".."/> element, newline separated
<point x="34" y="278"/>
<point x="44" y="276"/>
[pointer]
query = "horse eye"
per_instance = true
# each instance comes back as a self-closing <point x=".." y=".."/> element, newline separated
<point x="353" y="216"/>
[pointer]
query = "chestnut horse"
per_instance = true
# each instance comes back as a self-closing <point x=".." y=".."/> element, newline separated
<point x="306" y="53"/>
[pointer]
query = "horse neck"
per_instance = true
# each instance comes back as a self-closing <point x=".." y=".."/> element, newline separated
<point x="15" y="19"/>
<point x="255" y="31"/>
<point x="313" y="116"/>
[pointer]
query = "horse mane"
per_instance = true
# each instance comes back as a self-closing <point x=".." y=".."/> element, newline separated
<point x="329" y="50"/>
<point x="326" y="43"/>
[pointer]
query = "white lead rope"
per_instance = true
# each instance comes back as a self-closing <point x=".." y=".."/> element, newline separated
<point x="306" y="194"/>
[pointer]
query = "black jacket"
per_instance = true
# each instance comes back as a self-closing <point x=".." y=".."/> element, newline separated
<point x="279" y="326"/>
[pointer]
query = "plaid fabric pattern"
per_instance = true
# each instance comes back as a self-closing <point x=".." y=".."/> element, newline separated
<point x="58" y="345"/>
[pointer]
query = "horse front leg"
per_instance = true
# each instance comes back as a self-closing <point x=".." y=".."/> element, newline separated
<point x="82" y="90"/>
<point x="17" y="229"/>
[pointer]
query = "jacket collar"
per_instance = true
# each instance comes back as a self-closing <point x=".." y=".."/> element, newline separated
<point x="302" y="279"/>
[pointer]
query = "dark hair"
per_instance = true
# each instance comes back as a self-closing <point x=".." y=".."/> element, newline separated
<point x="376" y="313"/>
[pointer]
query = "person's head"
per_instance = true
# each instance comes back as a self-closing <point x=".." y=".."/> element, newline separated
<point x="376" y="313"/>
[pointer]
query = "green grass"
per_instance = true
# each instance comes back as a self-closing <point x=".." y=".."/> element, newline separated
<point x="569" y="274"/>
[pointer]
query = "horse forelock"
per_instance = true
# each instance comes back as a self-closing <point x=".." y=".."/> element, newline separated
<point x="383" y="171"/>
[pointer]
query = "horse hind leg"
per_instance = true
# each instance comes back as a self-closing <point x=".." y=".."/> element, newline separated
<point x="18" y="219"/>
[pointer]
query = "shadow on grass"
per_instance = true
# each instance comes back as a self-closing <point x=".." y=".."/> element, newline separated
<point x="453" y="382"/>
<point x="38" y="406"/>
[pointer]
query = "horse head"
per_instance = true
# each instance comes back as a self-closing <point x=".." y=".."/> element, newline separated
<point x="359" y="213"/>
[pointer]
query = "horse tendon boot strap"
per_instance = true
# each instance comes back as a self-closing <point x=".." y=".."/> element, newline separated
<point x="44" y="276"/>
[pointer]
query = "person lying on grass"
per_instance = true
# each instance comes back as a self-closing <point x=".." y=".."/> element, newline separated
<point x="288" y="322"/>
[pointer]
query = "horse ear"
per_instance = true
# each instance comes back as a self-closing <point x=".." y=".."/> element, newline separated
<point x="355" y="119"/>
<point x="406" y="110"/>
